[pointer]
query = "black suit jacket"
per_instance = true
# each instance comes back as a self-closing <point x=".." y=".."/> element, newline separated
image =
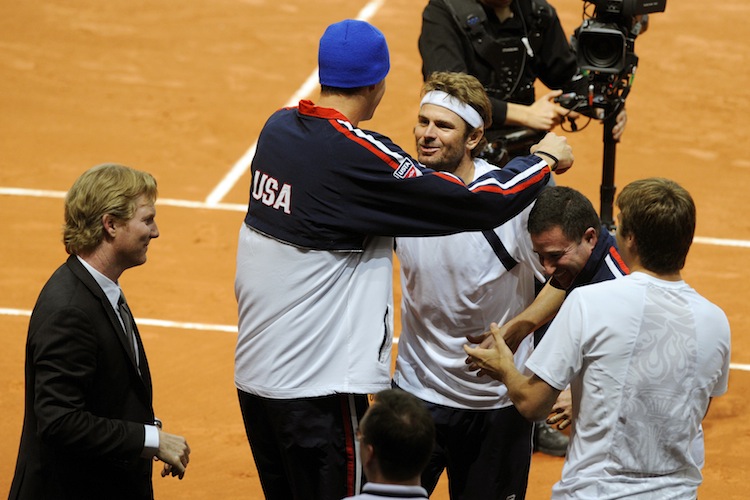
<point x="86" y="402"/>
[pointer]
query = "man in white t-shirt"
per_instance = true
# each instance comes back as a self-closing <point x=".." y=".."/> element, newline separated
<point x="642" y="374"/>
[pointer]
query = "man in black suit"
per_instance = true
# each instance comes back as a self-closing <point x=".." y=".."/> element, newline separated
<point x="89" y="430"/>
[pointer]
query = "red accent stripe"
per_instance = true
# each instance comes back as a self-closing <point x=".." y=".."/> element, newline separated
<point x="365" y="144"/>
<point x="351" y="460"/>
<point x="395" y="165"/>
<point x="616" y="255"/>
<point x="449" y="178"/>
<point x="518" y="187"/>
<point x="307" y="107"/>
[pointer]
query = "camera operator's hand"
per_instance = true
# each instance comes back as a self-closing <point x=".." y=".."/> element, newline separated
<point x="640" y="24"/>
<point x="557" y="147"/>
<point x="544" y="114"/>
<point x="619" y="127"/>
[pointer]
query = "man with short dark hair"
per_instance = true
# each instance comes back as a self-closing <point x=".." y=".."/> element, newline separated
<point x="395" y="440"/>
<point x="642" y="373"/>
<point x="574" y="248"/>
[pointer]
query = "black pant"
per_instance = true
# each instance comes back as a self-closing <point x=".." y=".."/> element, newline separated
<point x="305" y="448"/>
<point x="487" y="453"/>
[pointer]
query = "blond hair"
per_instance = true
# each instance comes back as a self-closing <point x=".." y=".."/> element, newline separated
<point x="104" y="189"/>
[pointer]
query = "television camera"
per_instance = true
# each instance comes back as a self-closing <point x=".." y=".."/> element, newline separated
<point x="604" y="46"/>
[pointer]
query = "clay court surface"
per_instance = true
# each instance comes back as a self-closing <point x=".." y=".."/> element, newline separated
<point x="182" y="89"/>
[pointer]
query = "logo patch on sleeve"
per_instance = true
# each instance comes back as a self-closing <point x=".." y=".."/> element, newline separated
<point x="406" y="169"/>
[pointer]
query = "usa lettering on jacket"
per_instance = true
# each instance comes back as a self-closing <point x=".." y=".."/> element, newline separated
<point x="266" y="190"/>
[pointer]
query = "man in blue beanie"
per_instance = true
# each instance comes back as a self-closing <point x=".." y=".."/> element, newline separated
<point x="314" y="262"/>
<point x="352" y="54"/>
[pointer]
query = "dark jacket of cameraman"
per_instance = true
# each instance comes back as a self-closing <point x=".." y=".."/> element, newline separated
<point x="506" y="65"/>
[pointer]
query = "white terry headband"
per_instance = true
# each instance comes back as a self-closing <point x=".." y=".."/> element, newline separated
<point x="447" y="101"/>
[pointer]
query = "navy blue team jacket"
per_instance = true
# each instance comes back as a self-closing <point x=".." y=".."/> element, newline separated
<point x="320" y="183"/>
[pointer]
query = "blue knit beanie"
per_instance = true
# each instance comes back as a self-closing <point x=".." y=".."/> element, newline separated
<point x="352" y="54"/>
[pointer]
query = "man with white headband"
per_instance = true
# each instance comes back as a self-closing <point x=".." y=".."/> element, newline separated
<point x="314" y="263"/>
<point x="454" y="286"/>
<point x="508" y="45"/>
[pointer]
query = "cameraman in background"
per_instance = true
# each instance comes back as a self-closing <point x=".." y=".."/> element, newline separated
<point x="507" y="45"/>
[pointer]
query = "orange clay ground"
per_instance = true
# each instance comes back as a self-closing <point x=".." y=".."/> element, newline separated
<point x="182" y="90"/>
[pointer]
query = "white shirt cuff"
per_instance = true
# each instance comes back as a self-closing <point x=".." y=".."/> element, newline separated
<point x="151" y="441"/>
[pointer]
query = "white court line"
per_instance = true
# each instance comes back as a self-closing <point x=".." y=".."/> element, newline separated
<point x="243" y="164"/>
<point x="236" y="207"/>
<point x="702" y="240"/>
<point x="43" y="193"/>
<point x="180" y="325"/>
<point x="168" y="202"/>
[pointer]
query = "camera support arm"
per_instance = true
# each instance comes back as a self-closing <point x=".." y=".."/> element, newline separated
<point x="607" y="189"/>
<point x="604" y="44"/>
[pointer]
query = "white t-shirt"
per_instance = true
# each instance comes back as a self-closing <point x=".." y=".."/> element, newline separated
<point x="453" y="286"/>
<point x="643" y="357"/>
<point x="321" y="324"/>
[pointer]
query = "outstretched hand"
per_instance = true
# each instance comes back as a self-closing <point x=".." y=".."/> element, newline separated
<point x="489" y="357"/>
<point x="557" y="146"/>
<point x="512" y="333"/>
